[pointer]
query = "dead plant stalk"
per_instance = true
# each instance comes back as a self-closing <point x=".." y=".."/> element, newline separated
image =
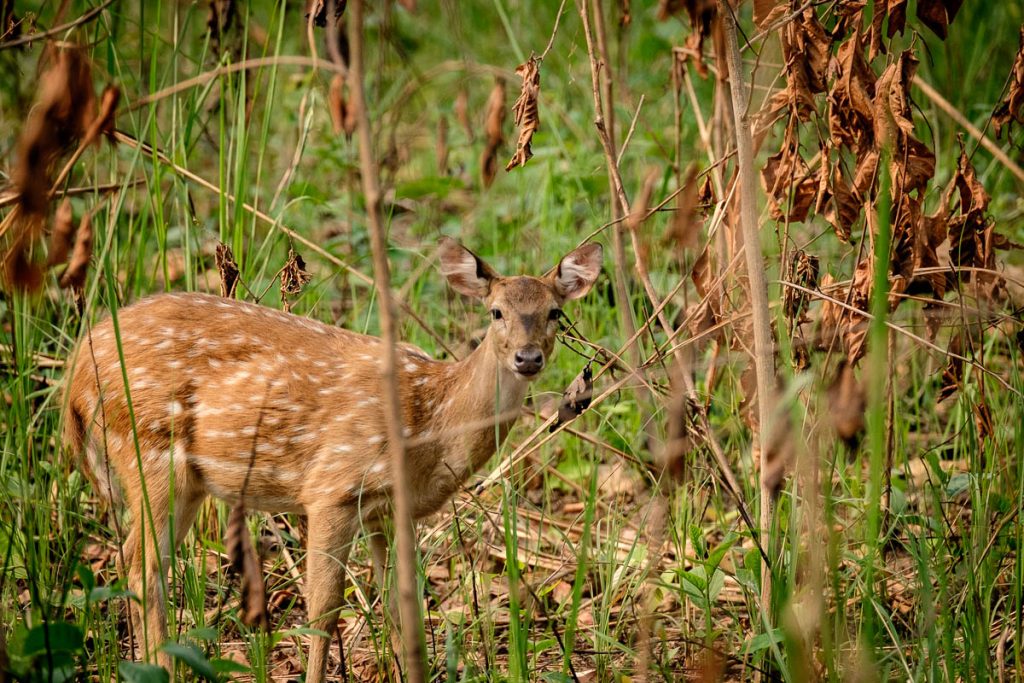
<point x="405" y="563"/>
<point x="758" y="289"/>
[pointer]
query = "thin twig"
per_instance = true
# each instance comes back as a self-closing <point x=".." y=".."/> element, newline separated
<point x="33" y="37"/>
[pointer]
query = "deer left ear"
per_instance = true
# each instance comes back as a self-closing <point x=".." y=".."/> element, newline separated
<point x="578" y="270"/>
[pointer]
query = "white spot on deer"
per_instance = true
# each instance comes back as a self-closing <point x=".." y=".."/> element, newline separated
<point x="176" y="409"/>
<point x="341" y="448"/>
<point x="377" y="468"/>
<point x="320" y="363"/>
<point x="249" y="430"/>
<point x="406" y="431"/>
<point x="410" y="367"/>
<point x="163" y="345"/>
<point x="375" y="439"/>
<point x="215" y="364"/>
<point x="341" y="417"/>
<point x="174" y="364"/>
<point x="420" y="381"/>
<point x="239" y="376"/>
<point x="265" y="448"/>
<point x="306" y="437"/>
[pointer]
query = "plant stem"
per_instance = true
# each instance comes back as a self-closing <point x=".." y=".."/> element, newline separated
<point x="405" y="562"/>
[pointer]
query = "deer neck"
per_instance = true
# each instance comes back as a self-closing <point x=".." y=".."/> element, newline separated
<point x="484" y="400"/>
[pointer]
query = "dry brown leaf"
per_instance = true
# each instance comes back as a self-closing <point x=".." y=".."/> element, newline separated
<point x="228" y="269"/>
<point x="318" y="10"/>
<point x="461" y="108"/>
<point x="768" y="11"/>
<point x="703" y="14"/>
<point x="803" y="271"/>
<point x="494" y="135"/>
<point x="526" y="111"/>
<point x="938" y="14"/>
<point x="1012" y="106"/>
<point x="850" y="100"/>
<point x="681" y="427"/>
<point x="293" y="277"/>
<point x="74" y="275"/>
<point x="787" y="179"/>
<point x="684" y="229"/>
<point x="103" y="124"/>
<point x="63" y="235"/>
<point x="336" y="103"/>
<point x="245" y="563"/>
<point x="576" y="398"/>
<point x="806" y="49"/>
<point x="847" y="403"/>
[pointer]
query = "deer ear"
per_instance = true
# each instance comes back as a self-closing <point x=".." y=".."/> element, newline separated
<point x="466" y="272"/>
<point x="578" y="270"/>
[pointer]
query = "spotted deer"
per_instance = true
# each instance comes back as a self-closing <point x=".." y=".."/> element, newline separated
<point x="213" y="396"/>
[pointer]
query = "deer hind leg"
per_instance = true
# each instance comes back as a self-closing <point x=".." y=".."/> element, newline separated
<point x="148" y="547"/>
<point x="331" y="532"/>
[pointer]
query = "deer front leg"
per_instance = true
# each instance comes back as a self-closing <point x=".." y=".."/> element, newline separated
<point x="149" y="554"/>
<point x="331" y="531"/>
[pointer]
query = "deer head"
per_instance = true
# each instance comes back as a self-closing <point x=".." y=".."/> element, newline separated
<point x="524" y="310"/>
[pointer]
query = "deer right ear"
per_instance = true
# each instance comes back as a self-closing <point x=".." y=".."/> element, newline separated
<point x="466" y="272"/>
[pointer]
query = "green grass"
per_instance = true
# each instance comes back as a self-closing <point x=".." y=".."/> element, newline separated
<point x="929" y="588"/>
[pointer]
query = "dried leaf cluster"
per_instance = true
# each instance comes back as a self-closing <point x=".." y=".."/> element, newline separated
<point x="63" y="119"/>
<point x="1012" y="106"/>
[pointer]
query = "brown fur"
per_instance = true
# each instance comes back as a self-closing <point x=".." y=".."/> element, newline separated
<point x="233" y="399"/>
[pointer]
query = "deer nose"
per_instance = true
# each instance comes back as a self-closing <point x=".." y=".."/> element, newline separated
<point x="529" y="361"/>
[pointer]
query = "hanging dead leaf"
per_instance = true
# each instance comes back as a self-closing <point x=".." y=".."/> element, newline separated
<point x="576" y="398"/>
<point x="63" y="235"/>
<point x="768" y="11"/>
<point x="103" y="124"/>
<point x="684" y="229"/>
<point x="461" y="108"/>
<point x="806" y="49"/>
<point x="952" y="375"/>
<point x="703" y="14"/>
<point x="74" y="275"/>
<point x="681" y="426"/>
<point x="293" y="277"/>
<point x="493" y="132"/>
<point x="526" y="112"/>
<point x="850" y="100"/>
<point x="246" y="565"/>
<point x="228" y="269"/>
<point x="336" y="103"/>
<point x="938" y="14"/>
<point x="802" y="271"/>
<point x="847" y="402"/>
<point x="1012" y="106"/>
<point x="219" y="21"/>
<point x="787" y="179"/>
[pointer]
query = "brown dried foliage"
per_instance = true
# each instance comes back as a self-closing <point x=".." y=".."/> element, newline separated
<point x="703" y="17"/>
<point x="63" y="236"/>
<point x="73" y="276"/>
<point x="228" y="269"/>
<point x="684" y="229"/>
<point x="494" y="123"/>
<point x="576" y="397"/>
<point x="847" y="401"/>
<point x="344" y="114"/>
<point x="246" y="564"/>
<point x="62" y="118"/>
<point x="1012" y="106"/>
<point x="525" y="111"/>
<point x="293" y="277"/>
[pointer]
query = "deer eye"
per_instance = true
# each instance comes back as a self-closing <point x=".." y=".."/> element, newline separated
<point x="496" y="314"/>
<point x="555" y="314"/>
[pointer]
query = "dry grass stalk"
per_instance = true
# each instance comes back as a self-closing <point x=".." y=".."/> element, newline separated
<point x="405" y="563"/>
<point x="758" y="290"/>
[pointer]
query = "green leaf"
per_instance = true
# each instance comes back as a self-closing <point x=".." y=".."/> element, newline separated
<point x="53" y="637"/>
<point x="718" y="554"/>
<point x="195" y="659"/>
<point x="229" y="666"/>
<point x="762" y="641"/>
<point x="133" y="672"/>
<point x="86" y="576"/>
